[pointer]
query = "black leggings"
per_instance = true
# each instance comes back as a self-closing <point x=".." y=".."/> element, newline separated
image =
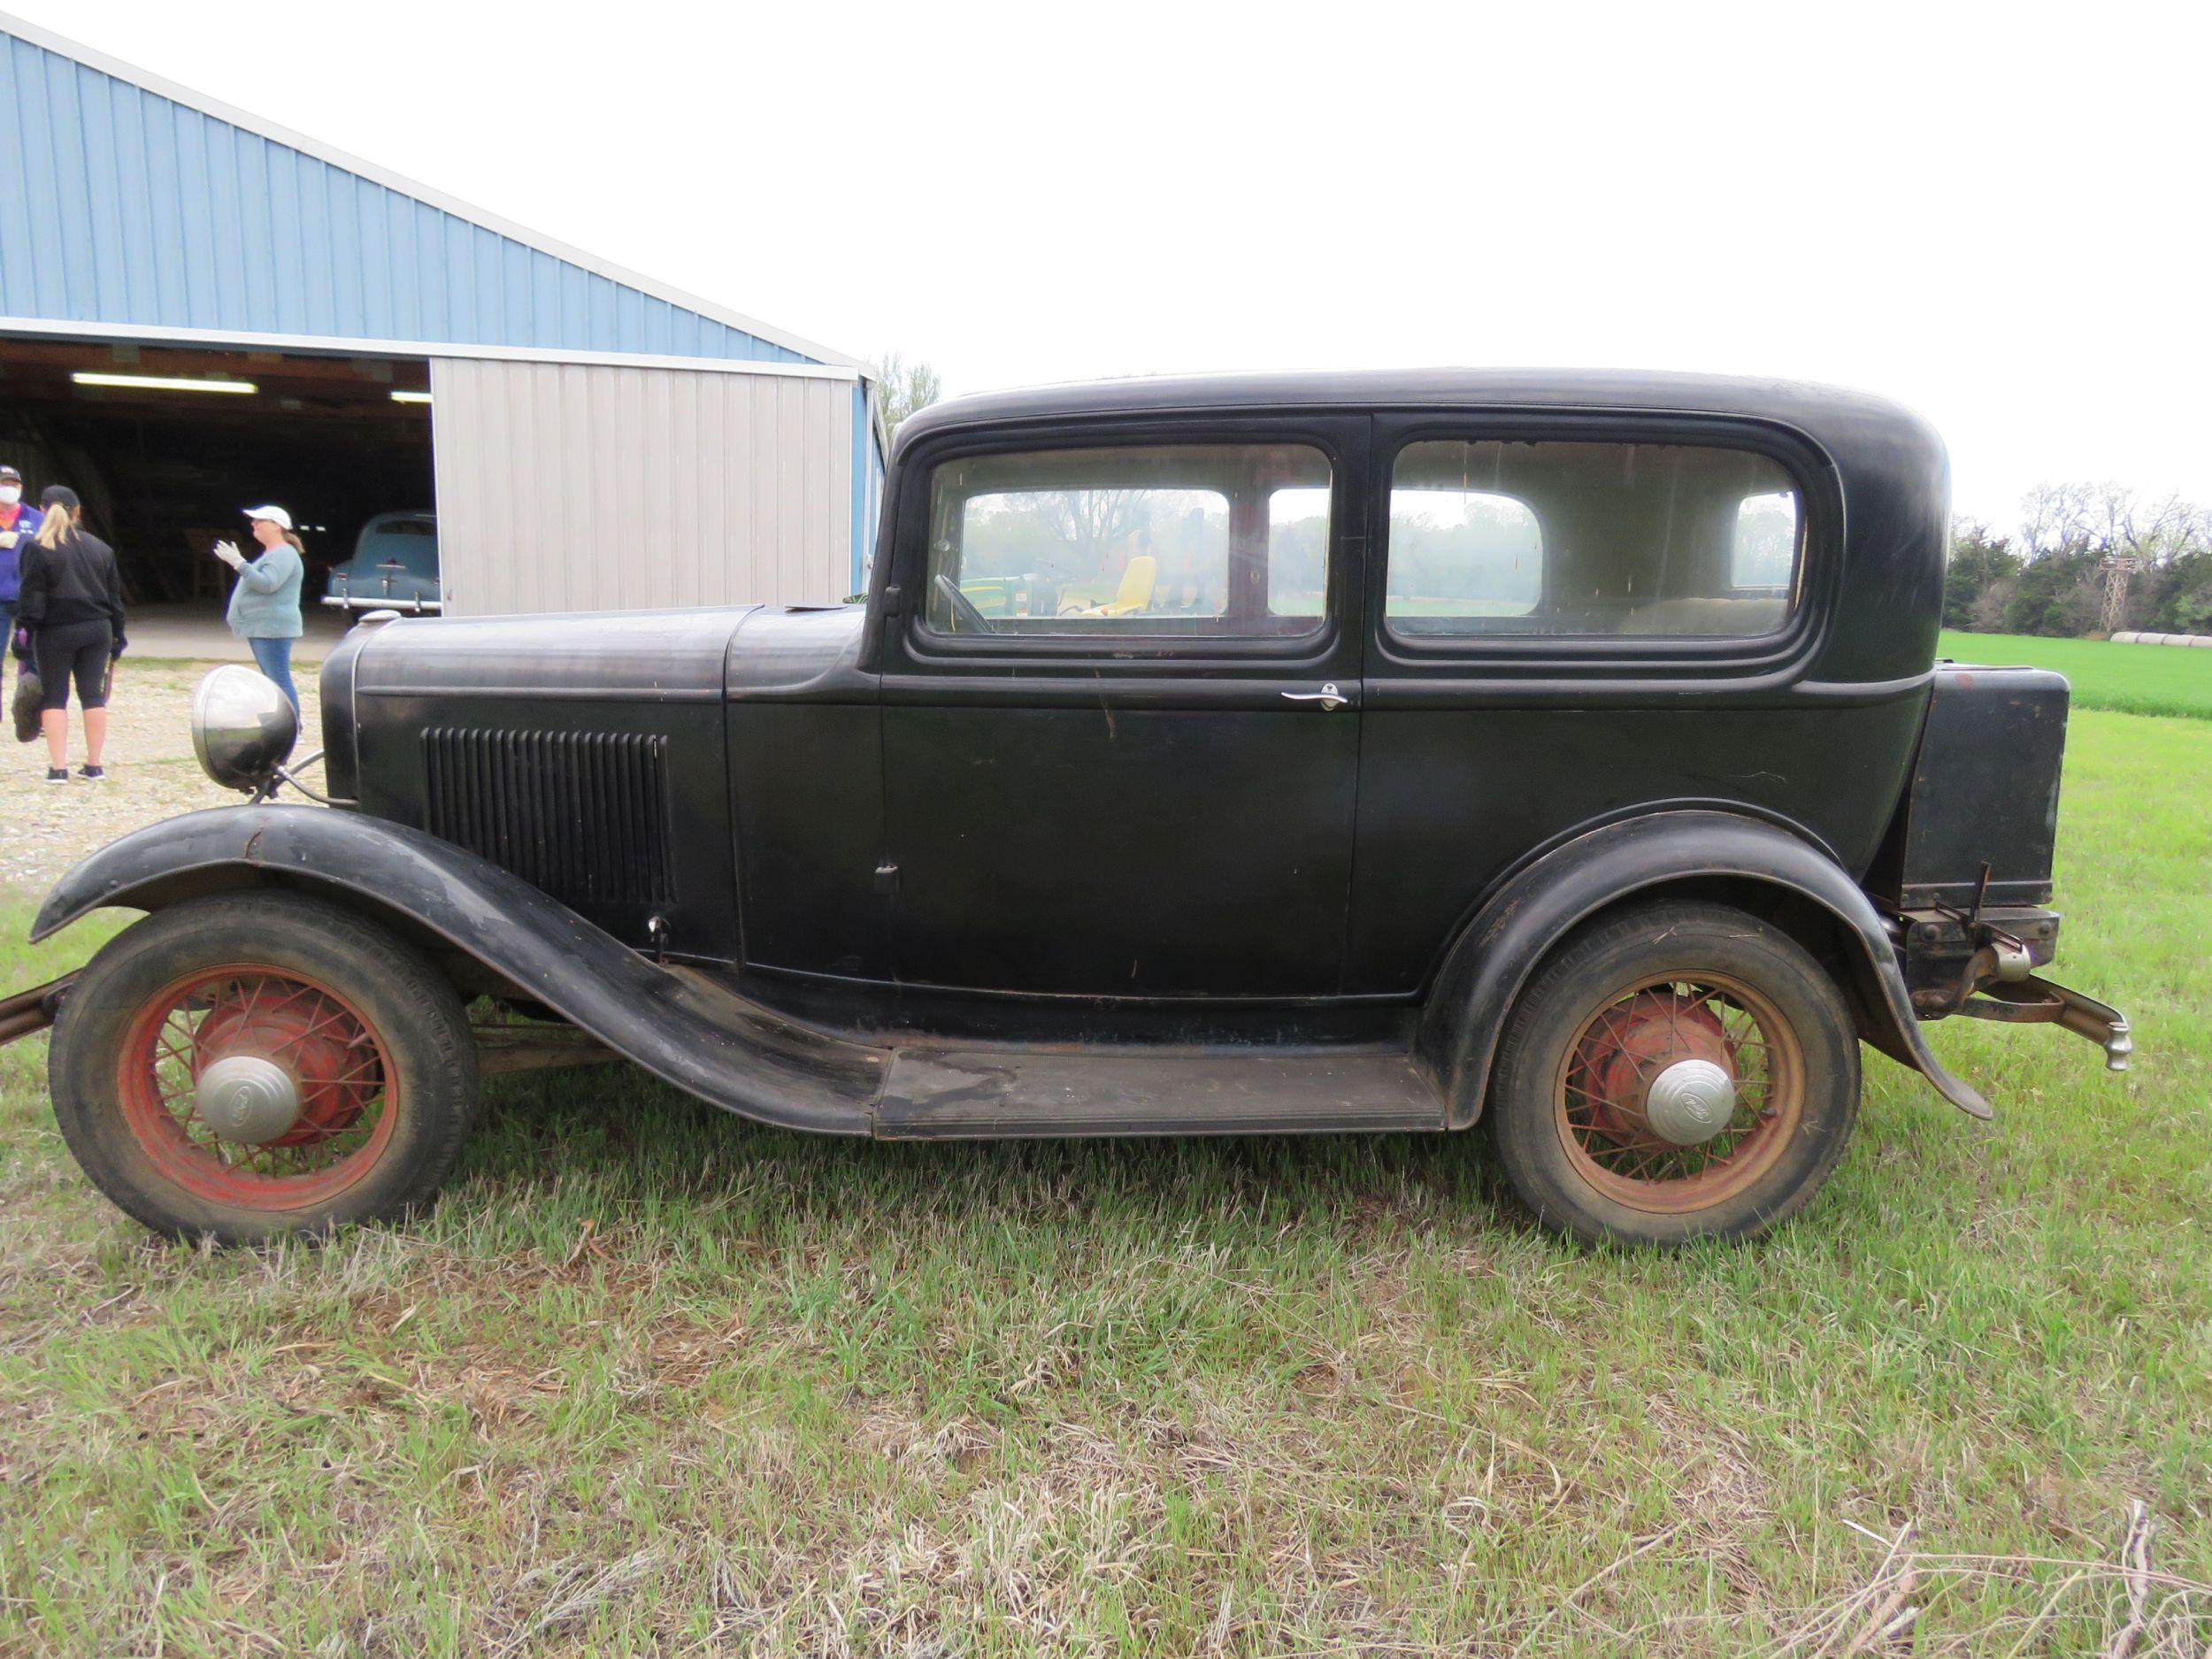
<point x="74" y="648"/>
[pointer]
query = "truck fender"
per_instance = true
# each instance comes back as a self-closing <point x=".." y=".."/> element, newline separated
<point x="682" y="1030"/>
<point x="1520" y="923"/>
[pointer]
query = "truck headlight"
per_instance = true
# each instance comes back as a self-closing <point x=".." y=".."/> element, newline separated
<point x="243" y="727"/>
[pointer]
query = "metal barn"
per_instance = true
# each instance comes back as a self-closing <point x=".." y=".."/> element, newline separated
<point x="395" y="350"/>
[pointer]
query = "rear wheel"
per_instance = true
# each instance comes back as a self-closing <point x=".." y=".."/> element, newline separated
<point x="1674" y="1072"/>
<point x="252" y="1065"/>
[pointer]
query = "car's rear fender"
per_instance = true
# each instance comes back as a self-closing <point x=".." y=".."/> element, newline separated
<point x="1717" y="854"/>
<point x="446" y="898"/>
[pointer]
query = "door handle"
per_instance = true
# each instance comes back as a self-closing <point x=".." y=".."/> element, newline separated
<point x="1329" y="697"/>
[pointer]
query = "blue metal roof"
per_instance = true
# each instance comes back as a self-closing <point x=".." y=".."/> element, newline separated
<point x="149" y="207"/>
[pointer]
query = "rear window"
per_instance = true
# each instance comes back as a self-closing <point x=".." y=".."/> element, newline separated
<point x="1491" y="537"/>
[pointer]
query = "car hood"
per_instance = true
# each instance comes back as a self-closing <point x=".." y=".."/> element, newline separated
<point x="646" y="654"/>
<point x="747" y="653"/>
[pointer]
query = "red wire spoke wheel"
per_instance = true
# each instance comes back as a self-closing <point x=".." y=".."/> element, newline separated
<point x="255" y="1086"/>
<point x="253" y="1065"/>
<point x="1680" y="1094"/>
<point x="1674" y="1071"/>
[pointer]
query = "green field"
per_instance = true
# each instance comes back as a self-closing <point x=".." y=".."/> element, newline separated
<point x="651" y="1381"/>
<point x="2131" y="679"/>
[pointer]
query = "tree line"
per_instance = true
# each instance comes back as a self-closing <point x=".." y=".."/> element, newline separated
<point x="2055" y="574"/>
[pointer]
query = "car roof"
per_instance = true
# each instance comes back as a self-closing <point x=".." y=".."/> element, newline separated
<point x="1887" y="467"/>
<point x="1816" y="411"/>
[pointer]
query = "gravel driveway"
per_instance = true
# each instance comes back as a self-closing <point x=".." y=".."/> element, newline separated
<point x="151" y="774"/>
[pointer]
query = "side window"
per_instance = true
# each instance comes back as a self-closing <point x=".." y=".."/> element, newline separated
<point x="1297" y="549"/>
<point x="1568" y="539"/>
<point x="1765" y="553"/>
<point x="1464" y="553"/>
<point x="1183" y="540"/>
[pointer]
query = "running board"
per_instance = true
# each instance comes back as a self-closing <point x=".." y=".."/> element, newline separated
<point x="949" y="1093"/>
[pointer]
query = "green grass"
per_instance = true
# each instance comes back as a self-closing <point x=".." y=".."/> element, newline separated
<point x="651" y="1381"/>
<point x="2169" y="680"/>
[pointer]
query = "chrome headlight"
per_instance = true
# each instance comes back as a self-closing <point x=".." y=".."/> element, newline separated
<point x="242" y="728"/>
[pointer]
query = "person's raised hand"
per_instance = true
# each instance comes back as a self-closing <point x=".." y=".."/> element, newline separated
<point x="227" y="551"/>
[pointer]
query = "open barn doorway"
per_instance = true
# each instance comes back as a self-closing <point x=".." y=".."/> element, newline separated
<point x="165" y="444"/>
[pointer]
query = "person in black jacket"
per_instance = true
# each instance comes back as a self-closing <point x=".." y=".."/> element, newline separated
<point x="69" y="624"/>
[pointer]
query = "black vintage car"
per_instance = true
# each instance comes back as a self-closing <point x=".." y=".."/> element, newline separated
<point x="1562" y="754"/>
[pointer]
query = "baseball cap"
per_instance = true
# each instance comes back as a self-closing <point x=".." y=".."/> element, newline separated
<point x="276" y="515"/>
<point x="9" y="475"/>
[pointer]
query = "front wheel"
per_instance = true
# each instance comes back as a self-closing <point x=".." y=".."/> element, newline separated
<point x="252" y="1065"/>
<point x="1673" y="1072"/>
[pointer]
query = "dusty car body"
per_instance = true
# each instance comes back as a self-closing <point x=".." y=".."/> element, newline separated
<point x="1565" y="753"/>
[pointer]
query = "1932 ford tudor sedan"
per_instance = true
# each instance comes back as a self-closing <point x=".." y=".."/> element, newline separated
<point x="1561" y="754"/>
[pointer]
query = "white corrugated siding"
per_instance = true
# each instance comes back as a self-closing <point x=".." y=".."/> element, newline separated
<point x="586" y="487"/>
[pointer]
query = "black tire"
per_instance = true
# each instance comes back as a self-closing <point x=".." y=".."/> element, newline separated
<point x="1533" y="1102"/>
<point x="426" y="1078"/>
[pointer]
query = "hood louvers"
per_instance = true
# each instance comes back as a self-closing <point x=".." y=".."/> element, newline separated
<point x="581" y="815"/>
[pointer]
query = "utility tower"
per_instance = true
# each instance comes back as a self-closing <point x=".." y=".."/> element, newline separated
<point x="2117" y="569"/>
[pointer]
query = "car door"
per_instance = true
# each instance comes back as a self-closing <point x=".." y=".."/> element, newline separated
<point x="1575" y="617"/>
<point x="1121" y="708"/>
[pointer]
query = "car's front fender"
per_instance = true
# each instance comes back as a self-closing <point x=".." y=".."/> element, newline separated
<point x="1519" y="923"/>
<point x="674" y="1026"/>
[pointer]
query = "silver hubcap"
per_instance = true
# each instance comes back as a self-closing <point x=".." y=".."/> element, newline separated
<point x="1690" y="1102"/>
<point x="245" y="1098"/>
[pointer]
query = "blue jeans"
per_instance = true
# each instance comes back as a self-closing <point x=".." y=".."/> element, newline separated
<point x="273" y="657"/>
<point x="7" y="637"/>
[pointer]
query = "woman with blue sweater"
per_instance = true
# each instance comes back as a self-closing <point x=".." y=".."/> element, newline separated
<point x="264" y="606"/>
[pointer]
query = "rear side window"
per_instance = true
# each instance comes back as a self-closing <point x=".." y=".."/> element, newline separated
<point x="1179" y="541"/>
<point x="1568" y="539"/>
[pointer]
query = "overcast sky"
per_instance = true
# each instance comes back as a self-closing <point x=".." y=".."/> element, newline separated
<point x="2000" y="215"/>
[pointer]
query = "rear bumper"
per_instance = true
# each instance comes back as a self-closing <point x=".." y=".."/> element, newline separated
<point x="416" y="607"/>
<point x="1982" y="966"/>
<point x="2033" y="1002"/>
<point x="1946" y="954"/>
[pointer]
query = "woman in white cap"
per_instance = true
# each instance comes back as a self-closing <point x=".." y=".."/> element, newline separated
<point x="264" y="605"/>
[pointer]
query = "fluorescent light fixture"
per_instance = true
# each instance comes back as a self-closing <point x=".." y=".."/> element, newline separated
<point x="160" y="383"/>
<point x="410" y="397"/>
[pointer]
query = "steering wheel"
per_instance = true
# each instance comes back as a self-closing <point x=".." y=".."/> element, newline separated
<point x="963" y="610"/>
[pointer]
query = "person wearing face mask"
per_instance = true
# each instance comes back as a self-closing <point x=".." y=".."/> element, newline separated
<point x="264" y="605"/>
<point x="18" y="523"/>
